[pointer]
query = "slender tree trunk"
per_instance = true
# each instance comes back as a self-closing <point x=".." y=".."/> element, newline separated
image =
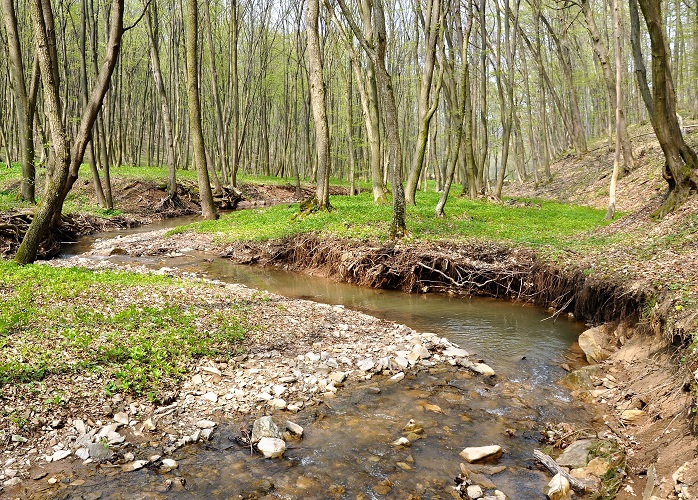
<point x="24" y="106"/>
<point x="319" y="104"/>
<point x="619" y="113"/>
<point x="208" y="209"/>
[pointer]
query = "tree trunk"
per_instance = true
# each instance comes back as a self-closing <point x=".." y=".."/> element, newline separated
<point x="619" y="113"/>
<point x="681" y="167"/>
<point x="319" y="103"/>
<point x="208" y="210"/>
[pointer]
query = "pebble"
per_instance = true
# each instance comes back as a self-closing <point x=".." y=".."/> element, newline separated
<point x="133" y="466"/>
<point x="205" y="424"/>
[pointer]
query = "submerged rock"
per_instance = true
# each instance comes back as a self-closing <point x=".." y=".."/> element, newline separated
<point x="483" y="369"/>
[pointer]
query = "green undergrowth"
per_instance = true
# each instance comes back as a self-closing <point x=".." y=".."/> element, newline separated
<point x="518" y="222"/>
<point x="139" y="333"/>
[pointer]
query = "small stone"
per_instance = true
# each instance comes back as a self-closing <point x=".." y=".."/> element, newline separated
<point x="421" y="352"/>
<point x="279" y="390"/>
<point x="82" y="453"/>
<point x="312" y="357"/>
<point x="264" y="396"/>
<point x="558" y="488"/>
<point x="483" y="369"/>
<point x="294" y="428"/>
<point x="631" y="415"/>
<point x="337" y="377"/>
<point x="455" y="352"/>
<point x="211" y="369"/>
<point x="401" y="441"/>
<point x="149" y="425"/>
<point x="264" y="427"/>
<point x="80" y="426"/>
<point x="121" y="418"/>
<point x="476" y="454"/>
<point x="271" y="447"/>
<point x="404" y="466"/>
<point x="366" y="365"/>
<point x="99" y="451"/>
<point x="474" y="491"/>
<point x="12" y="482"/>
<point x="169" y="464"/>
<point x="197" y="380"/>
<point x="60" y="455"/>
<point x="205" y="434"/>
<point x="575" y="455"/>
<point x="52" y="480"/>
<point x="133" y="466"/>
<point x="278" y="404"/>
<point x="397" y="377"/>
<point x="19" y="439"/>
<point x="205" y="424"/>
<point x="401" y="362"/>
<point x="211" y="396"/>
<point x="39" y="474"/>
<point x="129" y="457"/>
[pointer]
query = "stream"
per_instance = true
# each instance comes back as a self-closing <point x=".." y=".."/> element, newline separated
<point x="346" y="450"/>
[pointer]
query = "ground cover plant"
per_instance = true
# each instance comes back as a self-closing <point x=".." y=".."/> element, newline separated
<point x="139" y="333"/>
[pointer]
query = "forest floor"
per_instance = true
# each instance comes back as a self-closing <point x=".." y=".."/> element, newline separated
<point x="649" y="267"/>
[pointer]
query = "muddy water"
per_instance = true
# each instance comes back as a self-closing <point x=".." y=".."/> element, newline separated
<point x="346" y="451"/>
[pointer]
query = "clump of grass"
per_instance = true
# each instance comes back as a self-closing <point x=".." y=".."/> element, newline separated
<point x="140" y="331"/>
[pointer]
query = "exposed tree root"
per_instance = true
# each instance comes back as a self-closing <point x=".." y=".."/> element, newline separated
<point x="485" y="270"/>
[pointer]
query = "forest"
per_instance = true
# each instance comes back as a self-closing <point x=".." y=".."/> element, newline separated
<point x="476" y="93"/>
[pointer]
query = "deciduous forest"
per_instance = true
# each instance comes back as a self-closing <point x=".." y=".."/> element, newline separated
<point x="476" y="94"/>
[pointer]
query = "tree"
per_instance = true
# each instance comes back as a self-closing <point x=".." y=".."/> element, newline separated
<point x="25" y="101"/>
<point x="319" y="104"/>
<point x="208" y="209"/>
<point x="66" y="159"/>
<point x="681" y="162"/>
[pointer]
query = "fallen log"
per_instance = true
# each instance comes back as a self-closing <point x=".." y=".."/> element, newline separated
<point x="577" y="485"/>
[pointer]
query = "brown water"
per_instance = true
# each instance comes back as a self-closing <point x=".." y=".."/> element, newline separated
<point x="346" y="451"/>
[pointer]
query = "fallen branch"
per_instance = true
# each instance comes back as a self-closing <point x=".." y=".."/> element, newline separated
<point x="554" y="468"/>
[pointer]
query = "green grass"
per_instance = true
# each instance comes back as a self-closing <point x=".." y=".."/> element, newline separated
<point x="141" y="332"/>
<point x="541" y="223"/>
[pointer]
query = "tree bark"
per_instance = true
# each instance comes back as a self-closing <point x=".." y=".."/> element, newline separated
<point x="208" y="210"/>
<point x="681" y="167"/>
<point x="319" y="103"/>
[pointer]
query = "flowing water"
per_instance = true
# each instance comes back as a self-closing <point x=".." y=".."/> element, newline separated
<point x="346" y="451"/>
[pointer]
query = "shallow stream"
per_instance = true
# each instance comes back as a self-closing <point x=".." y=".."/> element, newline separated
<point x="346" y="451"/>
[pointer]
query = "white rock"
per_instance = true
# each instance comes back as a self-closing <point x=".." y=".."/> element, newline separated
<point x="421" y="351"/>
<point x="312" y="357"/>
<point x="264" y="427"/>
<point x="211" y="369"/>
<point x="82" y="453"/>
<point x="337" y="377"/>
<point x="278" y="404"/>
<point x="279" y="389"/>
<point x="80" y="426"/>
<point x="169" y="463"/>
<point x="474" y="491"/>
<point x="135" y="465"/>
<point x="475" y="454"/>
<point x="366" y="365"/>
<point x="12" y="482"/>
<point x="205" y="424"/>
<point x="294" y="428"/>
<point x="558" y="488"/>
<point x="60" y="455"/>
<point x="397" y="377"/>
<point x="402" y="362"/>
<point x="121" y="417"/>
<point x="211" y="396"/>
<point x="205" y="434"/>
<point x="401" y="441"/>
<point x="455" y="352"/>
<point x="264" y="396"/>
<point x="483" y="369"/>
<point x="271" y="447"/>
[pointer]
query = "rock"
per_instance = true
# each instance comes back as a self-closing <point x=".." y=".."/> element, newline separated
<point x="597" y="466"/>
<point x="197" y="380"/>
<point x="481" y="453"/>
<point x="99" y="451"/>
<point x="294" y="428"/>
<point x="39" y="474"/>
<point x="148" y="425"/>
<point x="121" y="418"/>
<point x="133" y="466"/>
<point x="474" y="491"/>
<point x="421" y="352"/>
<point x="211" y="369"/>
<point x="575" y="455"/>
<point x="169" y="464"/>
<point x="337" y="377"/>
<point x="277" y="404"/>
<point x="483" y="369"/>
<point x="558" y="488"/>
<point x="413" y="426"/>
<point x="12" y="482"/>
<point x="19" y="439"/>
<point x="402" y="441"/>
<point x="205" y="424"/>
<point x="455" y="352"/>
<point x="384" y="487"/>
<point x="366" y="365"/>
<point x="401" y="362"/>
<point x="591" y="341"/>
<point x="271" y="447"/>
<point x="82" y="453"/>
<point x="60" y="455"/>
<point x="631" y="415"/>
<point x="211" y="396"/>
<point x="80" y="427"/>
<point x="264" y="427"/>
<point x="581" y="379"/>
<point x="312" y="357"/>
<point x="397" y="377"/>
<point x="264" y="396"/>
